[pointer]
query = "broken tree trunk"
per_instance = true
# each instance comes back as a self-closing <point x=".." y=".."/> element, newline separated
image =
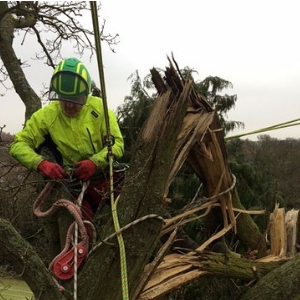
<point x="201" y="143"/>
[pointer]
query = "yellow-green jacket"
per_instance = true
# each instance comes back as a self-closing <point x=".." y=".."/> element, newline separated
<point x="77" y="138"/>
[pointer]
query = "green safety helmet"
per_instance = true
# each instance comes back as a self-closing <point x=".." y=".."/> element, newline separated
<point x="70" y="82"/>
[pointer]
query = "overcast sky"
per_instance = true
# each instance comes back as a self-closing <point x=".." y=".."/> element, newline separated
<point x="253" y="44"/>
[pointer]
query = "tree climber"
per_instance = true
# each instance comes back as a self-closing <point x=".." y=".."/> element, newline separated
<point x="73" y="127"/>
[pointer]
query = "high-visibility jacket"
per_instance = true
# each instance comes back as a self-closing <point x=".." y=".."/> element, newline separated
<point x="77" y="138"/>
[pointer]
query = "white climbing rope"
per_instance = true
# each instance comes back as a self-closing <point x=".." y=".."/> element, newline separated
<point x="78" y="202"/>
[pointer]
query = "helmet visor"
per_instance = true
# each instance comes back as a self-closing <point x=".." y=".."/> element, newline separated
<point x="68" y="86"/>
<point x="79" y="100"/>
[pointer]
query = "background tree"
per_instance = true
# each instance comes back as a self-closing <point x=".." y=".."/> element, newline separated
<point x="135" y="110"/>
<point x="213" y="87"/>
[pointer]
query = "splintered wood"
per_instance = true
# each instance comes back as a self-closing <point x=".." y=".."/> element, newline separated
<point x="291" y="221"/>
<point x="283" y="232"/>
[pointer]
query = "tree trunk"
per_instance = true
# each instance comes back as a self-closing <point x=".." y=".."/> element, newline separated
<point x="8" y="23"/>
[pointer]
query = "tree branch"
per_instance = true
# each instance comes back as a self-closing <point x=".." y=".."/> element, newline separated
<point x="27" y="263"/>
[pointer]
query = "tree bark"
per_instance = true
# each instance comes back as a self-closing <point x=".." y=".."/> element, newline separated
<point x="281" y="283"/>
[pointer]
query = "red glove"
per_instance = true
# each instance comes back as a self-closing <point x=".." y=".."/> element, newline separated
<point x="51" y="170"/>
<point x="85" y="170"/>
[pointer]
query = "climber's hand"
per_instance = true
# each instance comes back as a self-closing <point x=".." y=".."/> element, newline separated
<point x="85" y="170"/>
<point x="51" y="170"/>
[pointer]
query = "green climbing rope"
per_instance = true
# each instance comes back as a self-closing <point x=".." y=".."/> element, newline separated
<point x="274" y="127"/>
<point x="123" y="263"/>
<point x="109" y="144"/>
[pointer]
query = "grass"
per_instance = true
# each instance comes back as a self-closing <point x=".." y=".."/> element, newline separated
<point x="14" y="289"/>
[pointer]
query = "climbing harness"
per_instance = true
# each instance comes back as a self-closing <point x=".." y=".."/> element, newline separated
<point x="109" y="144"/>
